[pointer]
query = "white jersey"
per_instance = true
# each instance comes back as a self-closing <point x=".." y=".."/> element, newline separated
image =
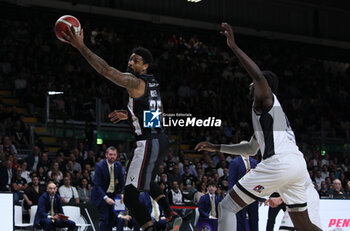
<point x="273" y="132"/>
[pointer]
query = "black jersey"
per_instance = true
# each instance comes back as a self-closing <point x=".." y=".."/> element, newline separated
<point x="139" y="107"/>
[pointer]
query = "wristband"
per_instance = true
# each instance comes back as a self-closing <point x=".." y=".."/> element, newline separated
<point x="105" y="197"/>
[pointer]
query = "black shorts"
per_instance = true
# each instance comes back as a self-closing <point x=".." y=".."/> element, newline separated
<point x="145" y="159"/>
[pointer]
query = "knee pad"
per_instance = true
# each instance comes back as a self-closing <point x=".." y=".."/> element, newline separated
<point x="227" y="210"/>
<point x="229" y="205"/>
<point x="155" y="190"/>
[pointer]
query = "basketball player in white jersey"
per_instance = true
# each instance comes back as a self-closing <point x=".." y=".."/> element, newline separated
<point x="282" y="168"/>
<point x="313" y="205"/>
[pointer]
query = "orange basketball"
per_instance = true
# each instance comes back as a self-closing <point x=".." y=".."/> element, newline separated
<point x="64" y="23"/>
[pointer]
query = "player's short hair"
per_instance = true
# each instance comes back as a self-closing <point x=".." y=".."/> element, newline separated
<point x="271" y="79"/>
<point x="144" y="53"/>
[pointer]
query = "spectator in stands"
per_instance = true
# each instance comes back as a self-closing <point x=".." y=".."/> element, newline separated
<point x="42" y="175"/>
<point x="347" y="189"/>
<point x="64" y="149"/>
<point x="7" y="147"/>
<point x="323" y="191"/>
<point x="225" y="176"/>
<point x="20" y="134"/>
<point x="325" y="172"/>
<point x="91" y="159"/>
<point x="55" y="169"/>
<point x="84" y="191"/>
<point x="82" y="150"/>
<point x="18" y="185"/>
<point x="25" y="172"/>
<point x="86" y="174"/>
<point x="319" y="178"/>
<point x="70" y="167"/>
<point x="188" y="180"/>
<point x="164" y="180"/>
<point x="60" y="160"/>
<point x="78" y="158"/>
<point x="175" y="176"/>
<point x="32" y="194"/>
<point x="337" y="192"/>
<point x="159" y="173"/>
<point x="200" y="173"/>
<point x="34" y="158"/>
<point x="54" y="179"/>
<point x="6" y="175"/>
<point x="170" y="160"/>
<point x="175" y="194"/>
<point x="185" y="162"/>
<point x="325" y="160"/>
<point x="45" y="162"/>
<point x="343" y="180"/>
<point x="68" y="193"/>
<point x="122" y="156"/>
<point x="76" y="165"/>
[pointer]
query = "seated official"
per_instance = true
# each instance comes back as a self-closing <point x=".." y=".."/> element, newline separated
<point x="157" y="214"/>
<point x="50" y="213"/>
<point x="208" y="203"/>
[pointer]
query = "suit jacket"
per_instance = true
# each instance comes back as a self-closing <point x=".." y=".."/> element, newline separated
<point x="237" y="169"/>
<point x="4" y="178"/>
<point x="204" y="205"/>
<point x="102" y="178"/>
<point x="146" y="201"/>
<point x="44" y="207"/>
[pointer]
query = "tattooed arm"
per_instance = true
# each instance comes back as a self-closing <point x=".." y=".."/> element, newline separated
<point x="126" y="80"/>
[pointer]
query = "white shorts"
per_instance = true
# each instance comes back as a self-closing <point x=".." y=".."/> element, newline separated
<point x="313" y="205"/>
<point x="285" y="173"/>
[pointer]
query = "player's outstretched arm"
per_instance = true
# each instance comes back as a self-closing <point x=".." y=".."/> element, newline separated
<point x="207" y="146"/>
<point x="126" y="80"/>
<point x="249" y="148"/>
<point x="262" y="93"/>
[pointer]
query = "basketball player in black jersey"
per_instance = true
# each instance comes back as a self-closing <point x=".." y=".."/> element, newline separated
<point x="282" y="168"/>
<point x="151" y="142"/>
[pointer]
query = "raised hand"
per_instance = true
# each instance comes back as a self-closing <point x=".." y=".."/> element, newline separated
<point x="73" y="38"/>
<point x="205" y="146"/>
<point x="118" y="115"/>
<point x="228" y="33"/>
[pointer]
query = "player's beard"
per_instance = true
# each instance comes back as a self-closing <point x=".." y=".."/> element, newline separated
<point x="130" y="70"/>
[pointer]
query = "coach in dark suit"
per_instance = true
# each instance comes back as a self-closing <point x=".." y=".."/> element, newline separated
<point x="107" y="173"/>
<point x="238" y="167"/>
<point x="208" y="204"/>
<point x="50" y="210"/>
